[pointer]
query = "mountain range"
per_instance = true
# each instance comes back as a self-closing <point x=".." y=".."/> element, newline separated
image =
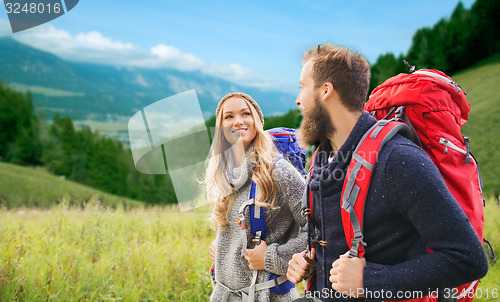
<point x="86" y="91"/>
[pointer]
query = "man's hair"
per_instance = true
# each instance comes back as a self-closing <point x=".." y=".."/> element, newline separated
<point x="348" y="72"/>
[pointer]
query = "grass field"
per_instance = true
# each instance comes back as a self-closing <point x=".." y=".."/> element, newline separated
<point x="70" y="253"/>
<point x="35" y="187"/>
<point x="79" y="250"/>
<point x="480" y="82"/>
<point x="94" y="254"/>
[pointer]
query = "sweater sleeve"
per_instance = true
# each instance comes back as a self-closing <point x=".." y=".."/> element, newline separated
<point x="418" y="192"/>
<point x="291" y="186"/>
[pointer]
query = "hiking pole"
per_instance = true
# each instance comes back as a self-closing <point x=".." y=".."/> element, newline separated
<point x="306" y="210"/>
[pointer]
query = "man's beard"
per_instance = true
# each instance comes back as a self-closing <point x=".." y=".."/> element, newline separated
<point x="316" y="125"/>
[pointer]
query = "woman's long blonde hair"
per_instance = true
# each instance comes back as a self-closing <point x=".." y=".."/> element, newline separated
<point x="220" y="193"/>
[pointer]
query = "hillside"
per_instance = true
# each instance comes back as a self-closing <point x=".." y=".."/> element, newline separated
<point x="35" y="187"/>
<point x="108" y="93"/>
<point x="481" y="82"/>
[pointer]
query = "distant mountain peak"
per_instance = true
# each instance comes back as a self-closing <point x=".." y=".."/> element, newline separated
<point x="93" y="91"/>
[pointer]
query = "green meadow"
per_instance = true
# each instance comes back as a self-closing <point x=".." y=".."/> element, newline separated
<point x="154" y="254"/>
<point x="100" y="248"/>
<point x="98" y="254"/>
<point x="483" y="127"/>
<point x="35" y="187"/>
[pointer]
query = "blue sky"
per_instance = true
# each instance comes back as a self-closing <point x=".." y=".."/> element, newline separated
<point x="252" y="43"/>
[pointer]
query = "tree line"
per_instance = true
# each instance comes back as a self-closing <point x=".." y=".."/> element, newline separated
<point x="81" y="155"/>
<point x="452" y="44"/>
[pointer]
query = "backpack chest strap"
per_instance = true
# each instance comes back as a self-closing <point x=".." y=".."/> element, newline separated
<point x="274" y="282"/>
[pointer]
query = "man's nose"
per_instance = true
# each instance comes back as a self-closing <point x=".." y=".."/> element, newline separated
<point x="297" y="100"/>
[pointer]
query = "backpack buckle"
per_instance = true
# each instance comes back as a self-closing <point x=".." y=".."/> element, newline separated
<point x="257" y="238"/>
<point x="356" y="241"/>
<point x="400" y="111"/>
<point x="240" y="223"/>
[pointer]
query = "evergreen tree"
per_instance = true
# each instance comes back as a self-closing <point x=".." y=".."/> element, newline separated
<point x="386" y="66"/>
<point x="457" y="50"/>
<point x="60" y="148"/>
<point x="291" y="119"/>
<point x="19" y="133"/>
<point x="485" y="29"/>
<point x="105" y="171"/>
<point x="419" y="53"/>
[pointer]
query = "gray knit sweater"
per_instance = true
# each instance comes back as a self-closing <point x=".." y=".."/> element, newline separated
<point x="283" y="239"/>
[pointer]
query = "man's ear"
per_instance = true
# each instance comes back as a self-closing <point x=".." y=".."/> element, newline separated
<point x="327" y="91"/>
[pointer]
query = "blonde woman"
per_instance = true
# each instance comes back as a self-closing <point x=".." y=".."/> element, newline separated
<point x="242" y="152"/>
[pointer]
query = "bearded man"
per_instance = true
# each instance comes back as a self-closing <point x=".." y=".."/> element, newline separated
<point x="408" y="206"/>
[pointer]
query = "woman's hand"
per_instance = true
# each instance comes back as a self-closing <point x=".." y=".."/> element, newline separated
<point x="211" y="249"/>
<point x="255" y="257"/>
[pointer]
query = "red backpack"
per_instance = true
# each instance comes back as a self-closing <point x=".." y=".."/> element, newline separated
<point x="431" y="109"/>
<point x="435" y="108"/>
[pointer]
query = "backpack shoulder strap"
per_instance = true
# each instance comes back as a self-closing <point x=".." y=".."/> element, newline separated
<point x="307" y="205"/>
<point x="257" y="218"/>
<point x="277" y="284"/>
<point x="358" y="179"/>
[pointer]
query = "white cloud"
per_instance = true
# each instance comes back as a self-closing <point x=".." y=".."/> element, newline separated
<point x="84" y="47"/>
<point x="93" y="47"/>
<point x="172" y="57"/>
<point x="167" y="56"/>
<point x="95" y="40"/>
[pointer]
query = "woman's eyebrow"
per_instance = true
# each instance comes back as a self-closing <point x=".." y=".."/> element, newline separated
<point x="240" y="110"/>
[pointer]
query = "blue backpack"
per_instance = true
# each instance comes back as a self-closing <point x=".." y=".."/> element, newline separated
<point x="286" y="143"/>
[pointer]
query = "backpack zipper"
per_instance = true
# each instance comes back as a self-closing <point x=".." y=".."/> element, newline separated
<point x="442" y="78"/>
<point x="448" y="144"/>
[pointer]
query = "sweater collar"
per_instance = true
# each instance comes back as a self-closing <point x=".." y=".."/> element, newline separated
<point x="237" y="176"/>
<point x="334" y="172"/>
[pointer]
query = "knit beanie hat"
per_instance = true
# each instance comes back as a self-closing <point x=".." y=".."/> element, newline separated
<point x="243" y="96"/>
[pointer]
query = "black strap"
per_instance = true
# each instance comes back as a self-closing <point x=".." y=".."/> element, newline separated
<point x="480" y="178"/>
<point x="390" y="113"/>
<point x="491" y="253"/>
<point x="400" y="114"/>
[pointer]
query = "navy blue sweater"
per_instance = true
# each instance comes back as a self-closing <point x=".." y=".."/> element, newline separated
<point x="408" y="206"/>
